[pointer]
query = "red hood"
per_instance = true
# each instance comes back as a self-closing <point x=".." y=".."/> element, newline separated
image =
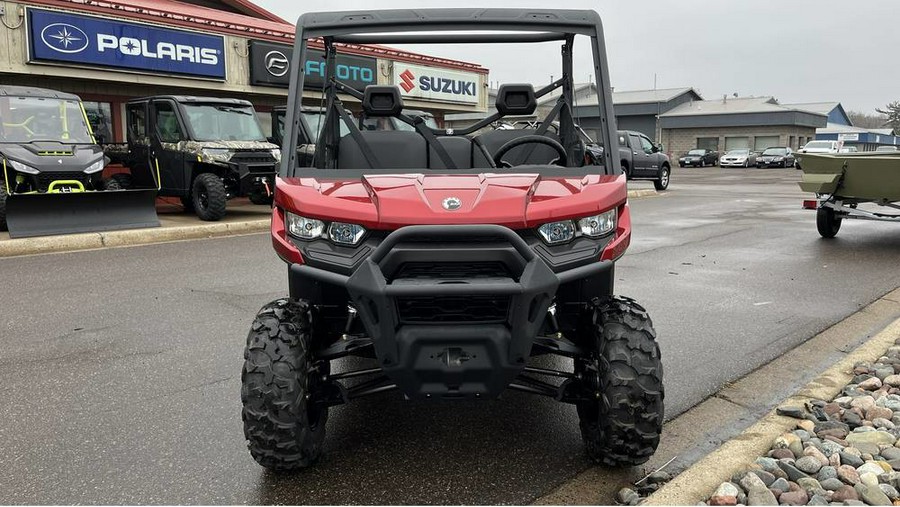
<point x="391" y="201"/>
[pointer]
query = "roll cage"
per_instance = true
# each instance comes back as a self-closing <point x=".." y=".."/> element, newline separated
<point x="443" y="26"/>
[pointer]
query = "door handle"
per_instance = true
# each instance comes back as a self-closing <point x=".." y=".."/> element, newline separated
<point x="634" y="153"/>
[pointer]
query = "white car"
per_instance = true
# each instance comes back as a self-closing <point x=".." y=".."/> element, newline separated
<point x="821" y="147"/>
<point x="738" y="158"/>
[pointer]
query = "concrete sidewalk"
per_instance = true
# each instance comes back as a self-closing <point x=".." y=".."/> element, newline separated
<point x="176" y="225"/>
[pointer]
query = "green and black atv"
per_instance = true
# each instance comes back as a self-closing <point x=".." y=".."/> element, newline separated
<point x="202" y="150"/>
<point x="52" y="181"/>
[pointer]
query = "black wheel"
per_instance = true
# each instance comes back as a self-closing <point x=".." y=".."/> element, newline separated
<point x="209" y="197"/>
<point x="627" y="170"/>
<point x="111" y="184"/>
<point x="3" y="195"/>
<point x="622" y="418"/>
<point x="702" y="163"/>
<point x="260" y="198"/>
<point x="662" y="182"/>
<point x="283" y="428"/>
<point x="827" y="222"/>
<point x="123" y="180"/>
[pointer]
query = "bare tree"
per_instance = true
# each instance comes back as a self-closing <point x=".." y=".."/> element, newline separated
<point x="892" y="111"/>
<point x="866" y="120"/>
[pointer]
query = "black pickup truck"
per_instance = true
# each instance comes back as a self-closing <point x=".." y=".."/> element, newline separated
<point x="643" y="160"/>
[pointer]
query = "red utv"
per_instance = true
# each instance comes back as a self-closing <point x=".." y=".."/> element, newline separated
<point x="449" y="258"/>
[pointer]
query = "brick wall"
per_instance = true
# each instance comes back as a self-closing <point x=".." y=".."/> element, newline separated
<point x="676" y="142"/>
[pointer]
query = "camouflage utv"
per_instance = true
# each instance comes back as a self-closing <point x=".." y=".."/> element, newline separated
<point x="199" y="149"/>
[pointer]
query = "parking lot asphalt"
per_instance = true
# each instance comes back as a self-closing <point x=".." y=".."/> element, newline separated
<point x="121" y="368"/>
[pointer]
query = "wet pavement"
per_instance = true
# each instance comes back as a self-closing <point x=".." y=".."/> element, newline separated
<point x="121" y="368"/>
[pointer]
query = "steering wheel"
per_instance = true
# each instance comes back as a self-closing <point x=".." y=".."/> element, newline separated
<point x="562" y="160"/>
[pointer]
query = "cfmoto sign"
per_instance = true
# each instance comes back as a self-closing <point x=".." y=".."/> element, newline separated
<point x="77" y="39"/>
<point x="270" y="66"/>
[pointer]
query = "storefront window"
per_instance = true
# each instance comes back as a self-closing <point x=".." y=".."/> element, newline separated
<point x="100" y="117"/>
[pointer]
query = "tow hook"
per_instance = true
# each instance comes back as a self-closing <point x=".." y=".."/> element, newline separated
<point x="268" y="190"/>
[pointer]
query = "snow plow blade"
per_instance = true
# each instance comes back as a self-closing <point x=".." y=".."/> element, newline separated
<point x="46" y="214"/>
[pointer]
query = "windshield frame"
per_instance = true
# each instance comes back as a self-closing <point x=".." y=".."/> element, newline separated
<point x="73" y="112"/>
<point x="696" y="153"/>
<point x="219" y="106"/>
<point x="743" y="152"/>
<point x="379" y="26"/>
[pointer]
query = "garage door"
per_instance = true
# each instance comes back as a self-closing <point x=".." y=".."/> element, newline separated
<point x="763" y="142"/>
<point x="737" y="143"/>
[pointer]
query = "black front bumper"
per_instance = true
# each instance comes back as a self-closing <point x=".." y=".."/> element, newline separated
<point x="453" y="311"/>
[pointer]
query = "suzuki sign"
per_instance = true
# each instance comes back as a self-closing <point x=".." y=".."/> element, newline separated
<point x="86" y="40"/>
<point x="429" y="83"/>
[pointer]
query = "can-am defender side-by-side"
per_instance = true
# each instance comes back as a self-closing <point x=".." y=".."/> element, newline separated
<point x="203" y="150"/>
<point x="52" y="181"/>
<point x="463" y="266"/>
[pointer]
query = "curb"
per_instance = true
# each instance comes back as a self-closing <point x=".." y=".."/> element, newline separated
<point x="642" y="192"/>
<point x="694" y="484"/>
<point x="112" y="239"/>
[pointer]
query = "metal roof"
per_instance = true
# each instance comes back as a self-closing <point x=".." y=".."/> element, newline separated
<point x="815" y="107"/>
<point x="650" y="96"/>
<point x="728" y="106"/>
<point x="28" y="91"/>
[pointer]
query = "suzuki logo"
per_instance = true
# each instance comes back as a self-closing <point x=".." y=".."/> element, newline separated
<point x="64" y="38"/>
<point x="276" y="63"/>
<point x="409" y="81"/>
<point x="451" y="203"/>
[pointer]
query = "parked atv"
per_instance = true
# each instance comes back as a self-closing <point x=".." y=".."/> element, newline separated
<point x="203" y="150"/>
<point x="451" y="259"/>
<point x="52" y="170"/>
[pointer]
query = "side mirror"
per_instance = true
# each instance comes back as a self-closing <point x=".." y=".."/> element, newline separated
<point x="656" y="148"/>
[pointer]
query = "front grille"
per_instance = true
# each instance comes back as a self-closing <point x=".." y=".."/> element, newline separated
<point x="444" y="309"/>
<point x="452" y="270"/>
<point x="45" y="179"/>
<point x="253" y="158"/>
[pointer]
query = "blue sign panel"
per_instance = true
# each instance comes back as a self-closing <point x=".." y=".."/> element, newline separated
<point x="71" y="38"/>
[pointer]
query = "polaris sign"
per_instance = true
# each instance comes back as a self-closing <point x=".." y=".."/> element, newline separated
<point x="429" y="83"/>
<point x="86" y="40"/>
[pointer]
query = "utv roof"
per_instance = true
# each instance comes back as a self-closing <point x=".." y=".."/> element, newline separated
<point x="27" y="91"/>
<point x="545" y="25"/>
<point x="188" y="99"/>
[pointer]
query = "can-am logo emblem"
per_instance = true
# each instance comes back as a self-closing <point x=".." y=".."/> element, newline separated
<point x="408" y="80"/>
<point x="451" y="203"/>
<point x="277" y="63"/>
<point x="64" y="38"/>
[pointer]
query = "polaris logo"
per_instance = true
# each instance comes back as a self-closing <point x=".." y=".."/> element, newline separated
<point x="64" y="38"/>
<point x="131" y="46"/>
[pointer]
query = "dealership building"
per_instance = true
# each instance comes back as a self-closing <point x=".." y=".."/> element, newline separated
<point x="109" y="52"/>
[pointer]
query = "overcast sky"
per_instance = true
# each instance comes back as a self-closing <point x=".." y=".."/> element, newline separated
<point x="796" y="51"/>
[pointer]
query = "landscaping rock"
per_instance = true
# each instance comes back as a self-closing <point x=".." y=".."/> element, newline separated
<point x="809" y="464"/>
<point x="844" y="493"/>
<point x="832" y="484"/>
<point x="792" y="473"/>
<point x="848" y="474"/>
<point x="791" y="411"/>
<point x="872" y="495"/>
<point x="781" y="484"/>
<point x="890" y="491"/>
<point x="869" y="437"/>
<point x="827" y="472"/>
<point x="795" y="498"/>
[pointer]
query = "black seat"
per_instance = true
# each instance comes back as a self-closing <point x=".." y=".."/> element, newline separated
<point x="460" y="151"/>
<point x="395" y="149"/>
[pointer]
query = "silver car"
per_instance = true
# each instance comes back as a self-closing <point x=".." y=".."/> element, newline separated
<point x="738" y="158"/>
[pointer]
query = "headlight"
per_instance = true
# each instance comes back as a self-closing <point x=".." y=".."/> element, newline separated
<point x="555" y="233"/>
<point x="217" y="153"/>
<point x="22" y="168"/>
<point x="96" y="166"/>
<point x="309" y="228"/>
<point x="345" y="234"/>
<point x="598" y="225"/>
<point x="778" y="159"/>
<point x="276" y="154"/>
<point x="302" y="227"/>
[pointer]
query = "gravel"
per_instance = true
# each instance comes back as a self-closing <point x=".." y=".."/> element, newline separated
<point x="842" y="452"/>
